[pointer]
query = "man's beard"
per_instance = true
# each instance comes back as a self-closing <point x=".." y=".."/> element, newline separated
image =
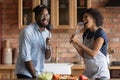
<point x="41" y="25"/>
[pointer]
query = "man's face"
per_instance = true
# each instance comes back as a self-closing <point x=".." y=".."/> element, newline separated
<point x="43" y="18"/>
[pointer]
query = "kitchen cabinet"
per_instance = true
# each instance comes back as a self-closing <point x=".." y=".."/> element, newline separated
<point x="64" y="13"/>
<point x="7" y="72"/>
<point x="25" y="15"/>
<point x="115" y="72"/>
<point x="77" y="70"/>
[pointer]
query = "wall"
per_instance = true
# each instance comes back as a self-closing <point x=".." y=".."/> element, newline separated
<point x="66" y="52"/>
<point x="0" y="30"/>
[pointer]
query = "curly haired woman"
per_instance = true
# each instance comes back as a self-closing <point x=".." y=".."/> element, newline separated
<point x="94" y="46"/>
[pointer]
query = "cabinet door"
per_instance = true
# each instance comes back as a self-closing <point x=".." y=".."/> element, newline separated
<point x="5" y="74"/>
<point x="77" y="72"/>
<point x="64" y="13"/>
<point x="13" y="75"/>
<point x="25" y="14"/>
<point x="81" y="6"/>
<point x="115" y="73"/>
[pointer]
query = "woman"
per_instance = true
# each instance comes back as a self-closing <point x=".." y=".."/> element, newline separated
<point x="94" y="46"/>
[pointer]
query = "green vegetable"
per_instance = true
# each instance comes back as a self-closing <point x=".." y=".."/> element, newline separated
<point x="46" y="76"/>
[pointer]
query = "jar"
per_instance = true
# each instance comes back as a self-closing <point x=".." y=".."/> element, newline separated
<point x="7" y="53"/>
<point x="14" y="55"/>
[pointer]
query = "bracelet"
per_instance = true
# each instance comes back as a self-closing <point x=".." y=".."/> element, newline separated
<point x="47" y="47"/>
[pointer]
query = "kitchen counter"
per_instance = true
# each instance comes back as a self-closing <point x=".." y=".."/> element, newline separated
<point x="78" y="66"/>
<point x="115" y="79"/>
<point x="7" y="72"/>
<point x="77" y="69"/>
<point x="75" y="66"/>
<point x="7" y="66"/>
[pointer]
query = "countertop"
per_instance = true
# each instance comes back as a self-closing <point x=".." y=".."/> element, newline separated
<point x="7" y="66"/>
<point x="75" y="66"/>
<point x="115" y="79"/>
<point x="78" y="66"/>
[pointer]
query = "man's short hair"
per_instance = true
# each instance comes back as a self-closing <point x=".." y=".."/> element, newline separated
<point x="38" y="9"/>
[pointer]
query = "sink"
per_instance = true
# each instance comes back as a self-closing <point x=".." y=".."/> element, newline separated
<point x="58" y="68"/>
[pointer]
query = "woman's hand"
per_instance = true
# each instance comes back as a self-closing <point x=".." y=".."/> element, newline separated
<point x="74" y="38"/>
<point x="71" y="41"/>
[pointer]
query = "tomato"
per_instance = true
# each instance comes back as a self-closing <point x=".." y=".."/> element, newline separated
<point x="83" y="77"/>
<point x="56" y="76"/>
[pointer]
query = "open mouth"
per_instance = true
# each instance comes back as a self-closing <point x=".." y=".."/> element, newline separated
<point x="85" y="22"/>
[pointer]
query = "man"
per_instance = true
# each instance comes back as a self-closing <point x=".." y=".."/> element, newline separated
<point x="34" y="45"/>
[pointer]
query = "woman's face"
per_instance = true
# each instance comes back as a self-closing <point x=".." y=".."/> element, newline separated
<point x="88" y="20"/>
<point x="43" y="18"/>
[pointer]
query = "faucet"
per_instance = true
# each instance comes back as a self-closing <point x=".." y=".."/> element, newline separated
<point x="57" y="56"/>
<point x="56" y="60"/>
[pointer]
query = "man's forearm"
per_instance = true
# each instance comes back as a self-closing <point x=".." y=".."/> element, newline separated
<point x="30" y="67"/>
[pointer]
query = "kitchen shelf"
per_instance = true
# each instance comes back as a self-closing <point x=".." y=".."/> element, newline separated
<point x="25" y="8"/>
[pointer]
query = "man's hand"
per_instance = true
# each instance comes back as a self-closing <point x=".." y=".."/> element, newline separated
<point x="34" y="76"/>
<point x="30" y="67"/>
<point x="48" y="46"/>
<point x="48" y="41"/>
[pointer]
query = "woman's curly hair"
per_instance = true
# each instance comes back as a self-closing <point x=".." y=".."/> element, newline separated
<point x="96" y="14"/>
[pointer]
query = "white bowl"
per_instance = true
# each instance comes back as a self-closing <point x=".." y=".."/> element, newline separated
<point x="58" y="68"/>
